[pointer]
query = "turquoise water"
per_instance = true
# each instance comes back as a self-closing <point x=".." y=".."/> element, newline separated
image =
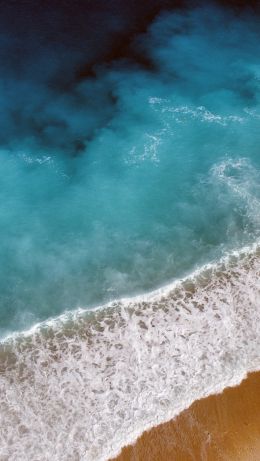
<point x="129" y="160"/>
<point x="164" y="176"/>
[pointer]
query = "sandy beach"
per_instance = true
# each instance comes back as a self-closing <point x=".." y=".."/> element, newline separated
<point x="223" y="427"/>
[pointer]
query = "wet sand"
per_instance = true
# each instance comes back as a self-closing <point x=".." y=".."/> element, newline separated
<point x="223" y="427"/>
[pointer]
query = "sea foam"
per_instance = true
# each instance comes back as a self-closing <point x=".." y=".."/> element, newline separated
<point x="121" y="180"/>
<point x="80" y="389"/>
<point x="125" y="180"/>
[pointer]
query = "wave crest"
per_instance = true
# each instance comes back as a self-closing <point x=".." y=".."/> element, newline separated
<point x="82" y="389"/>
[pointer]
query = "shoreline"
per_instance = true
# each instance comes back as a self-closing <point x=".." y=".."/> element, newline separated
<point x="79" y="313"/>
<point x="135" y="367"/>
<point x="224" y="426"/>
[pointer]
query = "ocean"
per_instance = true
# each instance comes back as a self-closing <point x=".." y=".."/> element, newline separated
<point x="130" y="220"/>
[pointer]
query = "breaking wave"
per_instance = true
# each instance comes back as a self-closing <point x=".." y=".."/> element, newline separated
<point x="85" y="385"/>
<point x="120" y="173"/>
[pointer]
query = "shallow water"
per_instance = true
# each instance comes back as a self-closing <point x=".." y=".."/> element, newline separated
<point x="82" y="389"/>
<point x="141" y="172"/>
<point x="168" y="181"/>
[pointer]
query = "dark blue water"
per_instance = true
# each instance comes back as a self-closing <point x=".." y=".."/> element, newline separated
<point x="121" y="173"/>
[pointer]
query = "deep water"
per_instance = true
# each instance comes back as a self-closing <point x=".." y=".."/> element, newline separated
<point x="123" y="171"/>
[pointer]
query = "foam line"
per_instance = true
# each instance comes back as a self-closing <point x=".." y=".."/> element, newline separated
<point x="154" y="295"/>
<point x="84" y="390"/>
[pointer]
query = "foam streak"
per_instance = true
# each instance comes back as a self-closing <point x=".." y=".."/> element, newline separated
<point x="84" y="391"/>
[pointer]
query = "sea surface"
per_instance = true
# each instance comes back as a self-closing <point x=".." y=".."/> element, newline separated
<point x="130" y="221"/>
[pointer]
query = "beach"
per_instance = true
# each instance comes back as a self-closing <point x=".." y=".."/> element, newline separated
<point x="91" y="385"/>
<point x="130" y="230"/>
<point x="220" y="427"/>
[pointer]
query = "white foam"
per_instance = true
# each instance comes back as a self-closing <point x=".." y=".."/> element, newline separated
<point x="201" y="113"/>
<point x="83" y="392"/>
<point x="151" y="296"/>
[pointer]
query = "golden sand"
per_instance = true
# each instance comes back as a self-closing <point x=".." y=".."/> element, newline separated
<point x="223" y="427"/>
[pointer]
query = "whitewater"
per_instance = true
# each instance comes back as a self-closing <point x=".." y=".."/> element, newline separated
<point x="130" y="230"/>
<point x="88" y="385"/>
